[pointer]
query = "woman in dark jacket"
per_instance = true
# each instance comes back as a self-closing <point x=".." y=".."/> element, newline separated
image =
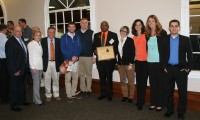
<point x="155" y="35"/>
<point x="126" y="55"/>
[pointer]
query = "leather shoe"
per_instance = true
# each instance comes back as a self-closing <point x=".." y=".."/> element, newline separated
<point x="101" y="97"/>
<point x="109" y="98"/>
<point x="124" y="99"/>
<point x="180" y="117"/>
<point x="168" y="114"/>
<point x="26" y="104"/>
<point x="17" y="109"/>
<point x="139" y="107"/>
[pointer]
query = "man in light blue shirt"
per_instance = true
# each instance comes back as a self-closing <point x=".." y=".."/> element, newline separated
<point x="4" y="82"/>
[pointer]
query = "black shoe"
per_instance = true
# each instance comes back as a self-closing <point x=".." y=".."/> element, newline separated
<point x="152" y="107"/>
<point x="101" y="97"/>
<point x="78" y="97"/>
<point x="82" y="93"/>
<point x="109" y="98"/>
<point x="88" y="93"/>
<point x="139" y="107"/>
<point x="130" y="101"/>
<point x="180" y="117"/>
<point x="135" y="104"/>
<point x="26" y="104"/>
<point x="168" y="114"/>
<point x="124" y="99"/>
<point x="17" y="109"/>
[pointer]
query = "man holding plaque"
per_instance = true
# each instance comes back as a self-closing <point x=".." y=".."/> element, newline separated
<point x="105" y="47"/>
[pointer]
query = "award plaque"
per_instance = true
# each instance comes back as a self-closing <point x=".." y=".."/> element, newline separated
<point x="105" y="53"/>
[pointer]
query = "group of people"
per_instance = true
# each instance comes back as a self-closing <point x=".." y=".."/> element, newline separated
<point x="165" y="59"/>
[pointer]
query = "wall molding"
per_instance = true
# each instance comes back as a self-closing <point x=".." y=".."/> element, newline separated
<point x="193" y="97"/>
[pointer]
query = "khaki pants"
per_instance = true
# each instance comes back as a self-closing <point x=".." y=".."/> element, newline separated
<point x="71" y="84"/>
<point x="51" y="73"/>
<point x="127" y="88"/>
<point x="85" y="73"/>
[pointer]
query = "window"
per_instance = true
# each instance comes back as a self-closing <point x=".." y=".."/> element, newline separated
<point x="61" y="12"/>
<point x="195" y="31"/>
<point x="1" y="16"/>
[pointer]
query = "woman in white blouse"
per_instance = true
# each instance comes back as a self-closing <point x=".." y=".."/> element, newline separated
<point x="36" y="65"/>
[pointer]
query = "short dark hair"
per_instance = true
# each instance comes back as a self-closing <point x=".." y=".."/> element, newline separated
<point x="22" y="20"/>
<point x="51" y="28"/>
<point x="3" y="27"/>
<point x="134" y="31"/>
<point x="71" y="23"/>
<point x="174" y="20"/>
<point x="11" y="22"/>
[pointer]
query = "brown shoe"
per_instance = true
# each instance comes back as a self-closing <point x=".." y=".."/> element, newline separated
<point x="58" y="98"/>
<point x="48" y="99"/>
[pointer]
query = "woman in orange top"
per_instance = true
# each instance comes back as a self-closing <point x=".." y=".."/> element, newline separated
<point x="141" y="69"/>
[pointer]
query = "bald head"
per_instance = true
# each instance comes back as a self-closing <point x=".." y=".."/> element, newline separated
<point x="104" y="26"/>
<point x="17" y="31"/>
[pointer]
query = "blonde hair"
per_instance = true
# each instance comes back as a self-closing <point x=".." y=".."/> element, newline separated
<point x="158" y="26"/>
<point x="35" y="32"/>
<point x="125" y="28"/>
<point x="35" y="29"/>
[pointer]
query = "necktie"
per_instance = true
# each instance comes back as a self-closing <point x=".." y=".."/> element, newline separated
<point x="52" y="51"/>
<point x="103" y="39"/>
<point x="21" y="42"/>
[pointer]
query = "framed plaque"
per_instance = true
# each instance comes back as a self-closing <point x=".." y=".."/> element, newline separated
<point x="105" y="53"/>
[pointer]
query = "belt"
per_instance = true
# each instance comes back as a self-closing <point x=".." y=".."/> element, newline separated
<point x="52" y="60"/>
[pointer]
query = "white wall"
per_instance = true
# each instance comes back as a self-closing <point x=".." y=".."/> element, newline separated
<point x="31" y="10"/>
<point x="119" y="13"/>
<point x="116" y="12"/>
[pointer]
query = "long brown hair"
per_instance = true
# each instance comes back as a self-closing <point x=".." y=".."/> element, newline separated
<point x="158" y="26"/>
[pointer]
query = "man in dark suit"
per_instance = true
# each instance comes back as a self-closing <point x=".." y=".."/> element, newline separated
<point x="105" y="67"/>
<point x="177" y="60"/>
<point x="16" y="53"/>
<point x="52" y="59"/>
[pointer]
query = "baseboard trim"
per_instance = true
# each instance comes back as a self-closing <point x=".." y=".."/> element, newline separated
<point x="193" y="97"/>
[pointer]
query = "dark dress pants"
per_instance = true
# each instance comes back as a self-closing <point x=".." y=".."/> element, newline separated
<point x="4" y="81"/>
<point x="141" y="69"/>
<point x="16" y="90"/>
<point x="105" y="69"/>
<point x="156" y="80"/>
<point x="173" y="75"/>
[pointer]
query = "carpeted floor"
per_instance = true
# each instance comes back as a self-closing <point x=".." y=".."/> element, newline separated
<point x="87" y="108"/>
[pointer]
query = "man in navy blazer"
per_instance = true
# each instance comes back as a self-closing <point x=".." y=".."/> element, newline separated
<point x="16" y="53"/>
<point x="51" y="65"/>
<point x="105" y="67"/>
<point x="177" y="60"/>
